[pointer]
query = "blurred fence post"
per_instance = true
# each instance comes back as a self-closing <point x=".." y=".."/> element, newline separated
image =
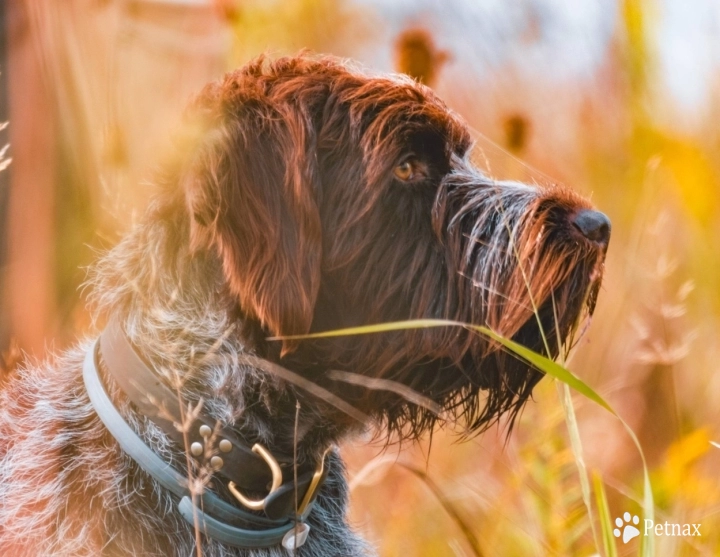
<point x="28" y="291"/>
<point x="4" y="178"/>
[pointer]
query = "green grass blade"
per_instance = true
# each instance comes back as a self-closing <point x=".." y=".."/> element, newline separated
<point x="576" y="445"/>
<point x="606" y="525"/>
<point x="547" y="366"/>
<point x="542" y="363"/>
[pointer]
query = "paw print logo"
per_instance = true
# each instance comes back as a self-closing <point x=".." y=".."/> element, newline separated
<point x="628" y="531"/>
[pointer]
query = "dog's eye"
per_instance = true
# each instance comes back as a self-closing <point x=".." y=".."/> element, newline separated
<point x="406" y="170"/>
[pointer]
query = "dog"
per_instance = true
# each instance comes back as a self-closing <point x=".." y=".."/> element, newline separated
<point x="306" y="196"/>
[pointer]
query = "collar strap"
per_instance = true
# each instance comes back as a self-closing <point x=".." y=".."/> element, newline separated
<point x="252" y="469"/>
<point x="245" y="467"/>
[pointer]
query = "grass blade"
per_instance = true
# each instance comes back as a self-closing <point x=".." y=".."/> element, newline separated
<point x="576" y="445"/>
<point x="540" y="362"/>
<point x="606" y="525"/>
<point x="464" y="527"/>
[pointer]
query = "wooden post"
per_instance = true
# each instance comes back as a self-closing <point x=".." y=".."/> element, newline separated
<point x="29" y="296"/>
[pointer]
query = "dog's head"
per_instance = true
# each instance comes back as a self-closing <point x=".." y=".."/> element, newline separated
<point x="334" y="199"/>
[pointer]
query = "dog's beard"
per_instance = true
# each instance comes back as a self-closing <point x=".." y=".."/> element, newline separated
<point x="512" y="263"/>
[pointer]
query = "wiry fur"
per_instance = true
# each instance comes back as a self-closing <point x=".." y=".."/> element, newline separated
<point x="282" y="216"/>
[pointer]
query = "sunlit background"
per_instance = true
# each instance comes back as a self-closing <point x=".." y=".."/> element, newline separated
<point x="621" y="100"/>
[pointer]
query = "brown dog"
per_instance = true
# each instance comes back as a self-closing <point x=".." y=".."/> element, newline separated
<point x="309" y="198"/>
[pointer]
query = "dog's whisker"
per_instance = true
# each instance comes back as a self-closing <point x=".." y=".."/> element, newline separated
<point x="493" y="291"/>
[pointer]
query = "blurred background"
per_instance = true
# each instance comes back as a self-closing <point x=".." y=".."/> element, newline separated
<point x="620" y="99"/>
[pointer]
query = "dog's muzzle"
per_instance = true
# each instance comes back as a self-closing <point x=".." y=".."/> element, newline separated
<point x="250" y="469"/>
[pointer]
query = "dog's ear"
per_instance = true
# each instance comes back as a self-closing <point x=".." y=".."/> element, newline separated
<point x="251" y="191"/>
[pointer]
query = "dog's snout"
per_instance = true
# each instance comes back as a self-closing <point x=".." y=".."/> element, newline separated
<point x="594" y="225"/>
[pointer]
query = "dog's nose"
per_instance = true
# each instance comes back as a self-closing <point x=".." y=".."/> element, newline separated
<point x="594" y="225"/>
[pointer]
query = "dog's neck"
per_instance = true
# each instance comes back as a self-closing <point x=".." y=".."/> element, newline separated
<point x="176" y="310"/>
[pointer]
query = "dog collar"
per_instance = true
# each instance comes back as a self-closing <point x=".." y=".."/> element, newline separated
<point x="245" y="468"/>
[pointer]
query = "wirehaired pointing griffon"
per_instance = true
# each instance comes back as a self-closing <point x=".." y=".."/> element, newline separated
<point x="306" y="197"/>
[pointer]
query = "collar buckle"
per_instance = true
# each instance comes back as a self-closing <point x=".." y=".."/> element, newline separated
<point x="259" y="505"/>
